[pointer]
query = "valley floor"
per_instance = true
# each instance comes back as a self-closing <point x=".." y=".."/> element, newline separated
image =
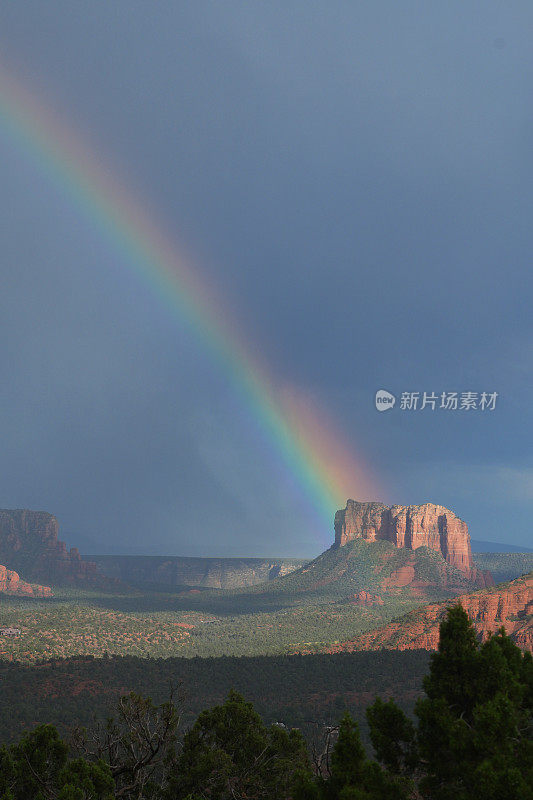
<point x="166" y="624"/>
<point x="341" y="594"/>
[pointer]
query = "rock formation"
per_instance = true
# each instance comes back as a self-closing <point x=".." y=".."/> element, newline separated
<point x="172" y="572"/>
<point x="508" y="605"/>
<point x="364" y="598"/>
<point x="10" y="583"/>
<point x="29" y="544"/>
<point x="427" y="525"/>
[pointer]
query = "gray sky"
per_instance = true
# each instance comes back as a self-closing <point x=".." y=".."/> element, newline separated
<point x="355" y="178"/>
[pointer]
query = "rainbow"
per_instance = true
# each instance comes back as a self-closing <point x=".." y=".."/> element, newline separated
<point x="309" y="447"/>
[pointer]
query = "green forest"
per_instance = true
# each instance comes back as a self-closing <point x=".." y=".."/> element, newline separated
<point x="469" y="738"/>
<point x="301" y="691"/>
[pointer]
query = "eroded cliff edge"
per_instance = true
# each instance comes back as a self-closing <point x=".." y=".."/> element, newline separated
<point x="30" y="545"/>
<point x="426" y="525"/>
<point x="507" y="605"/>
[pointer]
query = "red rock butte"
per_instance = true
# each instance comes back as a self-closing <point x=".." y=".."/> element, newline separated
<point x="11" y="583"/>
<point x="29" y="544"/>
<point x="427" y="525"/>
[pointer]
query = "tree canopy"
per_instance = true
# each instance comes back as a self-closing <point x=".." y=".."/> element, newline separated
<point x="471" y="739"/>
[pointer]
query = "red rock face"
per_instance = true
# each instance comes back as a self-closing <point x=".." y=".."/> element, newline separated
<point x="427" y="525"/>
<point x="10" y="583"/>
<point x="509" y="606"/>
<point x="29" y="543"/>
<point x="363" y="598"/>
<point x="401" y="577"/>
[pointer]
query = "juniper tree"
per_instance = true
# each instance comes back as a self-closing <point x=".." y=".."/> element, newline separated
<point x="474" y="734"/>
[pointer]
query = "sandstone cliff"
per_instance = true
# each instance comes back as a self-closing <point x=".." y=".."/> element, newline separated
<point x="11" y="583"/>
<point x="172" y="572"/>
<point x="427" y="525"/>
<point x="29" y="543"/>
<point x="508" y="605"/>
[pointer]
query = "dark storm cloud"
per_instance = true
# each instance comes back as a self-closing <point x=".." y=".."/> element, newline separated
<point x="357" y="178"/>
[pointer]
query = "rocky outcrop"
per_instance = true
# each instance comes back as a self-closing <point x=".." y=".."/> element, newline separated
<point x="29" y="543"/>
<point x="427" y="525"/>
<point x="364" y="598"/>
<point x="173" y="572"/>
<point x="509" y="606"/>
<point x="11" y="583"/>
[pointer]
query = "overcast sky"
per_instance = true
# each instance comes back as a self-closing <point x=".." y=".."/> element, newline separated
<point x="356" y="178"/>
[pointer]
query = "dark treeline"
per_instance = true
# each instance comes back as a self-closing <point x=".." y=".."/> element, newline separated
<point x="300" y="691"/>
<point x="470" y="739"/>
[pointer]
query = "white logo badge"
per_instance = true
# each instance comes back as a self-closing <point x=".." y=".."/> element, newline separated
<point x="384" y="400"/>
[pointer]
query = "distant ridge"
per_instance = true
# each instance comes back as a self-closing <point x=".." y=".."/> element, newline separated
<point x="172" y="572"/>
<point x="480" y="546"/>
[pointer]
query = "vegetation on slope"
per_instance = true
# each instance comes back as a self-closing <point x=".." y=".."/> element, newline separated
<point x="472" y="739"/>
<point x="505" y="566"/>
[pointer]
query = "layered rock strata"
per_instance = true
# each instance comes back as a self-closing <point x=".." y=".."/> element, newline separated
<point x="426" y="525"/>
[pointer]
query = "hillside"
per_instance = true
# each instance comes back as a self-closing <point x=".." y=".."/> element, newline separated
<point x="505" y="566"/>
<point x="509" y="605"/>
<point x="353" y="587"/>
<point x="29" y="543"/>
<point x="344" y="592"/>
<point x="378" y="567"/>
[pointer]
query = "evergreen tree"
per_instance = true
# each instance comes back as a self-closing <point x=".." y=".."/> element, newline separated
<point x="229" y="753"/>
<point x="475" y="724"/>
<point x="393" y="737"/>
<point x="38" y="768"/>
<point x="474" y="735"/>
<point x="352" y="776"/>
